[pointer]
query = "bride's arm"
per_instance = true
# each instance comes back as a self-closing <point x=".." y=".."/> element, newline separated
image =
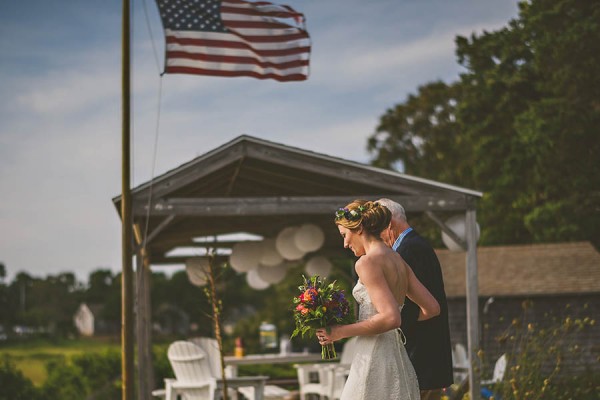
<point x="421" y="296"/>
<point x="388" y="313"/>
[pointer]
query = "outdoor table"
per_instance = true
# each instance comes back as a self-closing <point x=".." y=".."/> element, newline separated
<point x="270" y="391"/>
<point x="232" y="362"/>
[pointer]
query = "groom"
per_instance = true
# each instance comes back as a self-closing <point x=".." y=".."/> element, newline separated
<point x="427" y="342"/>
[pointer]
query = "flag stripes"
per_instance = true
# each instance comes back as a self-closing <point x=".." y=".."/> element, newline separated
<point x="234" y="38"/>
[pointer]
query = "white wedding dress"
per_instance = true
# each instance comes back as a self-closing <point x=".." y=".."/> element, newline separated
<point x="381" y="368"/>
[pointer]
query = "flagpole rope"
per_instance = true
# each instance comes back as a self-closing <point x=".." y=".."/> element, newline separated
<point x="154" y="157"/>
<point x="157" y="125"/>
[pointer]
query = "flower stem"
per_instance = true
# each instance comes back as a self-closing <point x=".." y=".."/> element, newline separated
<point x="328" y="352"/>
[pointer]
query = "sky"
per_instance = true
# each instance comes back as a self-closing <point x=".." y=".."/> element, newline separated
<point x="60" y="107"/>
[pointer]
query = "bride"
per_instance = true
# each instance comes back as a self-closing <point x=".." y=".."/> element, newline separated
<point x="381" y="368"/>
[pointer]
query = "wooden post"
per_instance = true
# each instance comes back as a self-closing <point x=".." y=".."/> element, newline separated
<point x="472" y="305"/>
<point x="127" y="385"/>
<point x="144" y="326"/>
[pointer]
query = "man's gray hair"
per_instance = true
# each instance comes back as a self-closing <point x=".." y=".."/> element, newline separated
<point x="396" y="209"/>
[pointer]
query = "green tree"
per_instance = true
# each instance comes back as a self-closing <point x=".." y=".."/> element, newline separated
<point x="423" y="134"/>
<point x="51" y="303"/>
<point x="521" y="125"/>
<point x="5" y="312"/>
<point x="18" y="303"/>
<point x="563" y="122"/>
<point x="100" y="282"/>
<point x="104" y="288"/>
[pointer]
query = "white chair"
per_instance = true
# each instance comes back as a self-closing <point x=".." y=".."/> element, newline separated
<point x="499" y="371"/>
<point x="211" y="347"/>
<point x="313" y="379"/>
<point x="460" y="363"/>
<point x="326" y="379"/>
<point x="194" y="379"/>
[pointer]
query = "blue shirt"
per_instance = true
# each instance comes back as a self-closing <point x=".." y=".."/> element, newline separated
<point x="401" y="237"/>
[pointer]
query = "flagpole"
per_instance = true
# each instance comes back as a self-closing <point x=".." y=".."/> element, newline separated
<point x="127" y="377"/>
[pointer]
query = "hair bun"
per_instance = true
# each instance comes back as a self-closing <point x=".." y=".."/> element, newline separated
<point x="370" y="215"/>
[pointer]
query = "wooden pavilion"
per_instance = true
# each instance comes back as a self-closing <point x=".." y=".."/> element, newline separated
<point x="260" y="187"/>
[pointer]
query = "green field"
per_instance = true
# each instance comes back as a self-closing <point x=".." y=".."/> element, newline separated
<point x="31" y="357"/>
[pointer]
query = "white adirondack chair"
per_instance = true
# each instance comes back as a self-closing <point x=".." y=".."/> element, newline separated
<point x="313" y="379"/>
<point x="326" y="379"/>
<point x="499" y="371"/>
<point x="194" y="379"/>
<point x="211" y="347"/>
<point x="460" y="363"/>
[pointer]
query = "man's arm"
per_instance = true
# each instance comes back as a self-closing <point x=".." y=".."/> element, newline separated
<point x="414" y="254"/>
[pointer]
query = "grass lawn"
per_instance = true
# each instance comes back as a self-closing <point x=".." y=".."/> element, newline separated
<point x="31" y="357"/>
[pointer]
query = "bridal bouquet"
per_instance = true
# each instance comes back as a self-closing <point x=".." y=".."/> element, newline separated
<point x="319" y="305"/>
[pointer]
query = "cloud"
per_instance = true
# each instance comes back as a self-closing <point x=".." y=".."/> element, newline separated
<point x="60" y="114"/>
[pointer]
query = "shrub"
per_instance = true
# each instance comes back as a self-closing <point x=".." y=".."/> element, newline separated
<point x="536" y="354"/>
<point x="162" y="366"/>
<point x="65" y="382"/>
<point x="101" y="374"/>
<point x="14" y="386"/>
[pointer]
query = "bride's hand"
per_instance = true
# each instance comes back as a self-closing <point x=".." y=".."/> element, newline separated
<point x="326" y="335"/>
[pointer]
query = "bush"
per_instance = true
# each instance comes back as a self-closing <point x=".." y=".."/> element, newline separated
<point x="536" y="354"/>
<point x="162" y="366"/>
<point x="14" y="386"/>
<point x="88" y="376"/>
<point x="64" y="382"/>
<point x="101" y="374"/>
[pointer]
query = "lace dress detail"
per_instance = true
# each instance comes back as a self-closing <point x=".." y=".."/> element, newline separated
<point x="381" y="368"/>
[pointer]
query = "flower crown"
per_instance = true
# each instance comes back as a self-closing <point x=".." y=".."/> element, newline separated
<point x="351" y="215"/>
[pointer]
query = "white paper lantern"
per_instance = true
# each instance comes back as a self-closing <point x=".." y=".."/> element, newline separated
<point x="197" y="270"/>
<point x="286" y="245"/>
<point x="254" y="281"/>
<point x="309" y="237"/>
<point x="458" y="225"/>
<point x="245" y="256"/>
<point x="270" y="256"/>
<point x="272" y="275"/>
<point x="318" y="265"/>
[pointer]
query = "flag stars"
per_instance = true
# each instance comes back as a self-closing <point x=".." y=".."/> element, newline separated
<point x="191" y="14"/>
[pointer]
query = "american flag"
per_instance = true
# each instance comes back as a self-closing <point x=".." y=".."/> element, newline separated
<point x="235" y="38"/>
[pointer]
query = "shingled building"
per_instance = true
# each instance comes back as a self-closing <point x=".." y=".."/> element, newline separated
<point x="541" y="284"/>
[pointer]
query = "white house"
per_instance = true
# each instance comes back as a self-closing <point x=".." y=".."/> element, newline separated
<point x="84" y="320"/>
